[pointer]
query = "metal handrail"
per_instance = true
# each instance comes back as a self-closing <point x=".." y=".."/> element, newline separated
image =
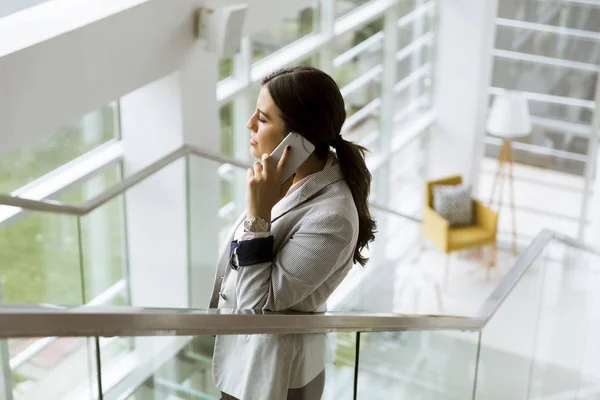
<point x="85" y="321"/>
<point x="132" y="180"/>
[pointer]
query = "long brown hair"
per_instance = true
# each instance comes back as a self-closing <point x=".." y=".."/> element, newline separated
<point x="312" y="105"/>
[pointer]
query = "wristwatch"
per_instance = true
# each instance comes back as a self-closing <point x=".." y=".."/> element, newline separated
<point x="256" y="225"/>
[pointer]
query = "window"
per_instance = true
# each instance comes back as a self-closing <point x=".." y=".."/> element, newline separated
<point x="269" y="41"/>
<point x="40" y="253"/>
<point x="343" y="7"/>
<point x="31" y="162"/>
<point x="359" y="64"/>
<point x="225" y="68"/>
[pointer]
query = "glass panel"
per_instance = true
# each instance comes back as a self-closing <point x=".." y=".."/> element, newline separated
<point x="417" y="365"/>
<point x="367" y="126"/>
<point x="537" y="78"/>
<point x="267" y="42"/>
<point x="62" y="368"/>
<point x="40" y="259"/>
<point x="552" y="12"/>
<point x="547" y="138"/>
<point x="205" y="217"/>
<point x="102" y="240"/>
<point x="560" y="112"/>
<point x="312" y="61"/>
<point x="366" y="60"/>
<point x="26" y="164"/>
<point x="380" y="285"/>
<point x="509" y="339"/>
<point x="413" y="62"/>
<point x="227" y="137"/>
<point x="407" y="176"/>
<point x="544" y="336"/>
<point x="188" y="373"/>
<point x="345" y="6"/>
<point x="547" y="44"/>
<point x="339" y="370"/>
<point x="362" y="97"/>
<point x="225" y="68"/>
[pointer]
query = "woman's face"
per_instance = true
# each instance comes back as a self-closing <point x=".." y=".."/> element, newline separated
<point x="267" y="129"/>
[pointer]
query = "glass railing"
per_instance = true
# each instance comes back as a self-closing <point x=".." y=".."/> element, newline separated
<point x="546" y="297"/>
<point x="93" y="246"/>
<point x="534" y="337"/>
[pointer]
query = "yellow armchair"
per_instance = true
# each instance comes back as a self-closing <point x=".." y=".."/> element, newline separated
<point x="448" y="239"/>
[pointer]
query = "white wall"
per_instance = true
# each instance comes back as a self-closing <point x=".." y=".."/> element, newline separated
<point x="463" y="70"/>
<point x="57" y="80"/>
<point x="53" y="69"/>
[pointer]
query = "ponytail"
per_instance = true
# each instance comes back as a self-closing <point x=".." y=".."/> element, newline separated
<point x="358" y="177"/>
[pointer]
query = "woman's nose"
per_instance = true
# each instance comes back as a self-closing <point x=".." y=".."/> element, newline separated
<point x="251" y="124"/>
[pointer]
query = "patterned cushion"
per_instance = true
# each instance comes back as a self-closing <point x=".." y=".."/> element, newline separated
<point x="454" y="203"/>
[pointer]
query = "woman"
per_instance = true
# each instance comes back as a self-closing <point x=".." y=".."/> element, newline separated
<point x="296" y="242"/>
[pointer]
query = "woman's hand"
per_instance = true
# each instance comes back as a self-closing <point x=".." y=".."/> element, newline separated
<point x="264" y="187"/>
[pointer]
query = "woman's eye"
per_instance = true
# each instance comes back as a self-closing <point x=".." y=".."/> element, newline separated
<point x="262" y="121"/>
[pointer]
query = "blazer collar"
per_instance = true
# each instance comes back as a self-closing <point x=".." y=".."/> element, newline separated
<point x="317" y="181"/>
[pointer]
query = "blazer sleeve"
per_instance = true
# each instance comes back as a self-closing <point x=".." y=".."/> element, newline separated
<point x="322" y="244"/>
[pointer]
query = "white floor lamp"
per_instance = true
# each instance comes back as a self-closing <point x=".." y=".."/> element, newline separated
<point x="508" y="120"/>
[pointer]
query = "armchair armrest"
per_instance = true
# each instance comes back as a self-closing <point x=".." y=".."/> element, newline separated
<point x="435" y="228"/>
<point x="485" y="217"/>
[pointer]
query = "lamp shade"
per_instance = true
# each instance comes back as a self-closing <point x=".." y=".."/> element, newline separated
<point x="509" y="116"/>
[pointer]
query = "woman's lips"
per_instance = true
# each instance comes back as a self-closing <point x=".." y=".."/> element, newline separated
<point x="253" y="142"/>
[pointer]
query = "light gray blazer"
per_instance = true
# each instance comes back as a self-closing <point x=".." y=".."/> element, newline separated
<point x="315" y="233"/>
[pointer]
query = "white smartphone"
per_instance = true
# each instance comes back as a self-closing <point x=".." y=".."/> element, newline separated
<point x="301" y="150"/>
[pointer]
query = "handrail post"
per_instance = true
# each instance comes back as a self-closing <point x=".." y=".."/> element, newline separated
<point x="5" y="372"/>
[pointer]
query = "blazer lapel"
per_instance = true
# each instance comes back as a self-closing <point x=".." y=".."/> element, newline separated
<point x="312" y="186"/>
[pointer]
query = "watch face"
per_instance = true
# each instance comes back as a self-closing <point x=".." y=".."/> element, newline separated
<point x="256" y="225"/>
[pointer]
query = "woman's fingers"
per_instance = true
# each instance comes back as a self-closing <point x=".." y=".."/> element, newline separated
<point x="257" y="169"/>
<point x="266" y="165"/>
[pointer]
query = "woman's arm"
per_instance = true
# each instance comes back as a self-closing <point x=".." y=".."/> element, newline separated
<point x="322" y="245"/>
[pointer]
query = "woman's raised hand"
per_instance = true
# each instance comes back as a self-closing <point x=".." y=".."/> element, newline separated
<point x="264" y="185"/>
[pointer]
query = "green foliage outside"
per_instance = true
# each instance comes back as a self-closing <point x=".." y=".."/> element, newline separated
<point x="40" y="258"/>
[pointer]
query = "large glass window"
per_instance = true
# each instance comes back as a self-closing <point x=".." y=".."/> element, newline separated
<point x="343" y="7"/>
<point x="267" y="42"/>
<point x="555" y="13"/>
<point x="31" y="162"/>
<point x="356" y="65"/>
<point x="557" y="67"/>
<point x="48" y="258"/>
<point x="225" y="68"/>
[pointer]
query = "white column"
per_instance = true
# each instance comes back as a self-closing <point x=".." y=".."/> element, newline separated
<point x="198" y="82"/>
<point x="155" y="209"/>
<point x="158" y="118"/>
<point x="463" y="63"/>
